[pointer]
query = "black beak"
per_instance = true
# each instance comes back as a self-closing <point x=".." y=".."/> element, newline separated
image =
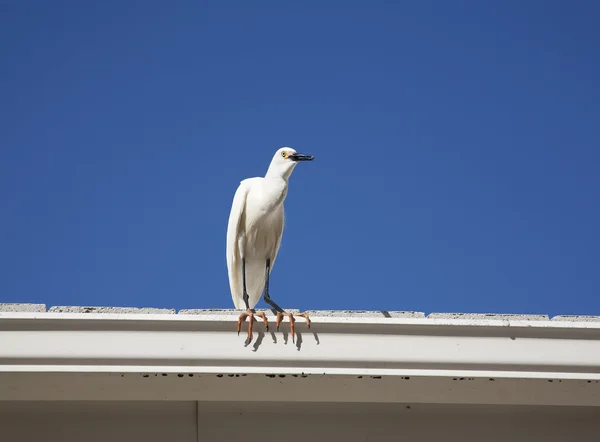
<point x="301" y="157"/>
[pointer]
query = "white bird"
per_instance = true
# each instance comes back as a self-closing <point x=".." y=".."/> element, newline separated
<point x="254" y="235"/>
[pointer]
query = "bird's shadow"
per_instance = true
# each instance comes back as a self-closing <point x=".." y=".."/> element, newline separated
<point x="258" y="342"/>
<point x="299" y="340"/>
<point x="260" y="336"/>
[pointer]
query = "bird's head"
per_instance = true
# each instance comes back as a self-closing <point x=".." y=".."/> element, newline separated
<point x="284" y="161"/>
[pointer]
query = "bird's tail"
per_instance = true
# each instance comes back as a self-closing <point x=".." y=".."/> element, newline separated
<point x="235" y="282"/>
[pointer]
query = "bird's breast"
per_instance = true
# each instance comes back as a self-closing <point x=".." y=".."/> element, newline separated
<point x="264" y="219"/>
<point x="262" y="231"/>
<point x="268" y="200"/>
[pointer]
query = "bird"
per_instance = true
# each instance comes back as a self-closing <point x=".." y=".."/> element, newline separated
<point x="254" y="233"/>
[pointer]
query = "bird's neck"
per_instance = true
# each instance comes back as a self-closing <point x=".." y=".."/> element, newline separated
<point x="276" y="181"/>
<point x="274" y="191"/>
<point x="277" y="172"/>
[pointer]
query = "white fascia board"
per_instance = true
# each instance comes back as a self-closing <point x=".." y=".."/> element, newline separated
<point x="540" y="362"/>
<point x="205" y="344"/>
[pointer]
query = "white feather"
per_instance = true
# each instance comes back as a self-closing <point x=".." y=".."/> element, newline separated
<point x="255" y="228"/>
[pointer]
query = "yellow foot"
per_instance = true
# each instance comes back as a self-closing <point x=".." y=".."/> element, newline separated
<point x="280" y="316"/>
<point x="250" y="314"/>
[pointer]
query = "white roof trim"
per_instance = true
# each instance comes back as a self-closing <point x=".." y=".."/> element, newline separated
<point x="402" y="359"/>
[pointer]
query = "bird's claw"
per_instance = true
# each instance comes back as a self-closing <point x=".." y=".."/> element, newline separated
<point x="250" y="314"/>
<point x="241" y="319"/>
<point x="280" y="316"/>
<point x="264" y="318"/>
<point x="305" y="316"/>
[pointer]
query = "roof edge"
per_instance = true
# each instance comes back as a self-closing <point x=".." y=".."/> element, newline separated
<point x="132" y="310"/>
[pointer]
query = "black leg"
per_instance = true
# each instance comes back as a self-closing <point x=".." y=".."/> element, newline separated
<point x="280" y="312"/>
<point x="267" y="297"/>
<point x="245" y="296"/>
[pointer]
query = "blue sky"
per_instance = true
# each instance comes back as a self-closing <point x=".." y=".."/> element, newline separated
<point x="457" y="151"/>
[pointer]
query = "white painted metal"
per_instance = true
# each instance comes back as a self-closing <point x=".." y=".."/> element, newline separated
<point x="105" y="356"/>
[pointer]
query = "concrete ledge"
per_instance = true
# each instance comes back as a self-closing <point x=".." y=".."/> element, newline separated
<point x="34" y="308"/>
<point x="227" y="312"/>
<point x="365" y="314"/>
<point x="488" y="316"/>
<point x="576" y="318"/>
<point x="314" y="313"/>
<point x="330" y="314"/>
<point x="113" y="310"/>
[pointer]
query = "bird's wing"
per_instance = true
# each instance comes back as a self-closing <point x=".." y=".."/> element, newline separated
<point x="235" y="229"/>
<point x="278" y="227"/>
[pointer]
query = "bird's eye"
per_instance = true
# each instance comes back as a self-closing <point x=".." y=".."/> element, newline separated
<point x="284" y="154"/>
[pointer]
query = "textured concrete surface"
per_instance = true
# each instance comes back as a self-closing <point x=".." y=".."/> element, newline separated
<point x="120" y="310"/>
<point x="512" y="317"/>
<point x="226" y="312"/>
<point x="576" y="318"/>
<point x="315" y="313"/>
<point x="22" y="307"/>
<point x="40" y="308"/>
<point x="365" y="314"/>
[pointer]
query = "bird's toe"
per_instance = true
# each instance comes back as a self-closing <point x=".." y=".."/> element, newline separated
<point x="242" y="318"/>
<point x="251" y="315"/>
<point x="250" y="323"/>
<point x="264" y="318"/>
<point x="305" y="316"/>
<point x="280" y="316"/>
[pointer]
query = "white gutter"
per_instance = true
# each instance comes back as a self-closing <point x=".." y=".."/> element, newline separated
<point x="365" y="359"/>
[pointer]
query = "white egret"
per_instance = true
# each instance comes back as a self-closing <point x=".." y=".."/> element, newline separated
<point x="254" y="235"/>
